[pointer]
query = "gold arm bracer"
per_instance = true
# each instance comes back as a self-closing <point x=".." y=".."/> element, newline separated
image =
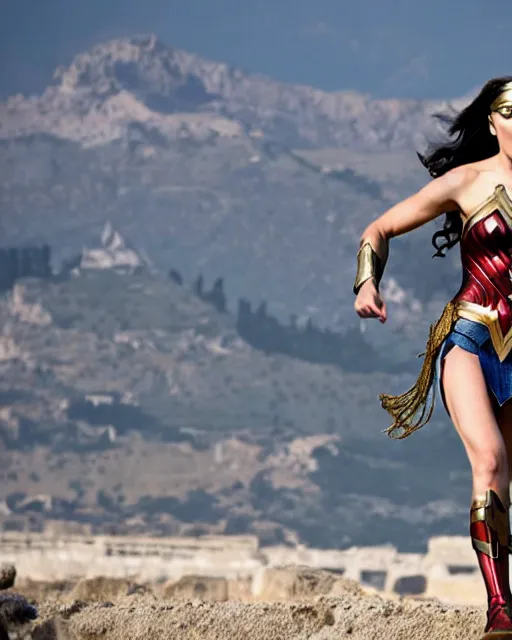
<point x="369" y="265"/>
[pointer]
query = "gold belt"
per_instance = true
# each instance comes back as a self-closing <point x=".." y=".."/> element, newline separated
<point x="489" y="317"/>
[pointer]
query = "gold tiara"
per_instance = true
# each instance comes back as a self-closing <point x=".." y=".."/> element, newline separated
<point x="504" y="99"/>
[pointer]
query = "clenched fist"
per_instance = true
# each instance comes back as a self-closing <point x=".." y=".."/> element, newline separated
<point x="369" y="303"/>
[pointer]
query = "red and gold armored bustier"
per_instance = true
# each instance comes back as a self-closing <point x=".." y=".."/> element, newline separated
<point x="486" y="253"/>
<point x="485" y="296"/>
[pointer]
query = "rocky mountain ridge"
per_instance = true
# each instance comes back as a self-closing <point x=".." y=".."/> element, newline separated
<point x="115" y="138"/>
<point x="178" y="94"/>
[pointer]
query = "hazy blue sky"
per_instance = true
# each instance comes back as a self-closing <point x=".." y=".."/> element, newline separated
<point x="402" y="48"/>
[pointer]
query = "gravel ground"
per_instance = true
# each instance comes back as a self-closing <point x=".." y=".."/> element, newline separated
<point x="359" y="617"/>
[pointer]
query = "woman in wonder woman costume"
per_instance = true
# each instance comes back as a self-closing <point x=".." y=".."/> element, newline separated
<point x="468" y="355"/>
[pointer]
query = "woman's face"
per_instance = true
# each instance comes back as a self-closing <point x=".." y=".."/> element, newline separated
<point x="501" y="123"/>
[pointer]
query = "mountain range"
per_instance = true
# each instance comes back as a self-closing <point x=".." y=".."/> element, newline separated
<point x="208" y="171"/>
<point x="141" y="80"/>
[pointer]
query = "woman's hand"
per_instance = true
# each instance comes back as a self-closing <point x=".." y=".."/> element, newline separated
<point x="369" y="303"/>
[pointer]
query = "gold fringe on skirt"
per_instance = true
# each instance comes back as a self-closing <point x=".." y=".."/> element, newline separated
<point x="412" y="410"/>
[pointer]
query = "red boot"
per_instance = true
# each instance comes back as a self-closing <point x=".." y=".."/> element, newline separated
<point x="489" y="531"/>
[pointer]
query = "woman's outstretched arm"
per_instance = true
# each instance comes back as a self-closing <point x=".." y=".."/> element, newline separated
<point x="437" y="197"/>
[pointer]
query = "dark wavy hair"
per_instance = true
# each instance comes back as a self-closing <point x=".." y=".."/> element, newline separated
<point x="469" y="140"/>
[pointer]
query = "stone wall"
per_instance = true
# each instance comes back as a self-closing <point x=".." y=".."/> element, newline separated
<point x="448" y="570"/>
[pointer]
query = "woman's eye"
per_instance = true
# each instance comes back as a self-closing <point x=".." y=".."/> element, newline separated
<point x="506" y="112"/>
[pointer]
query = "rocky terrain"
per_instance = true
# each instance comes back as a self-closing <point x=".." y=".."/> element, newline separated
<point x="173" y="92"/>
<point x="128" y="403"/>
<point x="134" y="406"/>
<point x="296" y="605"/>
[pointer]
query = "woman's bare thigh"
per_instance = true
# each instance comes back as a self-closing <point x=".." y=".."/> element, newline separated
<point x="470" y="406"/>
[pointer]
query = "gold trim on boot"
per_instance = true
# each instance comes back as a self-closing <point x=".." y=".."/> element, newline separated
<point x="490" y="538"/>
<point x="487" y="509"/>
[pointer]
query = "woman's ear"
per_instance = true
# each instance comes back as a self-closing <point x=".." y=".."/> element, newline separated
<point x="491" y="126"/>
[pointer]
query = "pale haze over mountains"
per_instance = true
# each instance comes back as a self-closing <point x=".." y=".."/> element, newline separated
<point x="393" y="48"/>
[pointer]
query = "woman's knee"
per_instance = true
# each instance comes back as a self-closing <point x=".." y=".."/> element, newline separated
<point x="489" y="462"/>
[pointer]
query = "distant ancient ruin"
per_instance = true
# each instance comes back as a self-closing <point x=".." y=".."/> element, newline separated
<point x="447" y="571"/>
